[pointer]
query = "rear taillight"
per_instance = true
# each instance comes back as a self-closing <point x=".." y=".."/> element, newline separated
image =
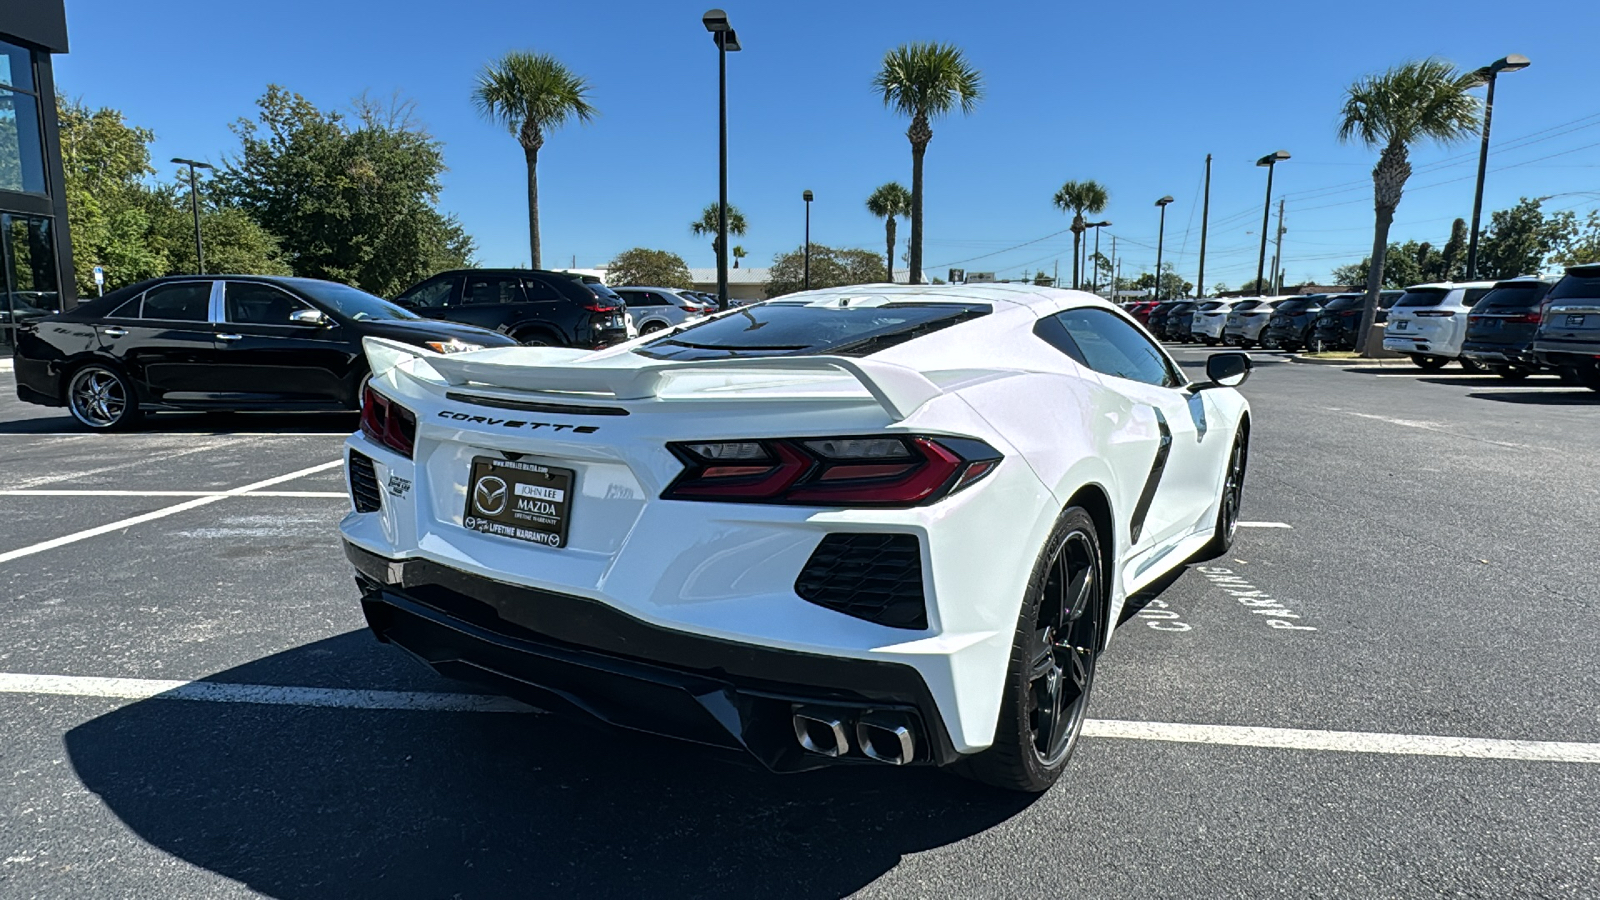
<point x="600" y="306"/>
<point x="848" y="471"/>
<point x="388" y="423"/>
<point x="1531" y="318"/>
<point x="1437" y="313"/>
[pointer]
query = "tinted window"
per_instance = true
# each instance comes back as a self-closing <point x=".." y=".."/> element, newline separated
<point x="1293" y="306"/>
<point x="1473" y="295"/>
<point x="776" y="329"/>
<point x="1422" y="297"/>
<point x="1113" y="347"/>
<point x="352" y="303"/>
<point x="639" y="298"/>
<point x="1520" y="295"/>
<point x="244" y="303"/>
<point x="602" y="292"/>
<point x="1339" y="303"/>
<point x="1575" y="286"/>
<point x="537" y="289"/>
<point x="482" y="291"/>
<point x="432" y="295"/>
<point x="1243" y="305"/>
<point x="186" y="301"/>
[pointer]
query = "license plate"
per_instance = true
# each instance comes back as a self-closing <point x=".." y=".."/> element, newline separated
<point x="1401" y="325"/>
<point x="1575" y="321"/>
<point x="525" y="501"/>
<point x="618" y="322"/>
<point x="1490" y="324"/>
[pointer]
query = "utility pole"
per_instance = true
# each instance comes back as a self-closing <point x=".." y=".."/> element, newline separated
<point x="1277" y="254"/>
<point x="1114" y="286"/>
<point x="1205" y="215"/>
<point x="1055" y="280"/>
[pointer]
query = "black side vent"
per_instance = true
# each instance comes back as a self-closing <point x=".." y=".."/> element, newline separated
<point x="364" y="490"/>
<point x="877" y="577"/>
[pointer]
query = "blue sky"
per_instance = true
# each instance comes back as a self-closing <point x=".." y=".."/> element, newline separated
<point x="1131" y="94"/>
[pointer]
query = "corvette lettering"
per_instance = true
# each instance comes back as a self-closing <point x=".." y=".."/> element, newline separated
<point x="516" y="423"/>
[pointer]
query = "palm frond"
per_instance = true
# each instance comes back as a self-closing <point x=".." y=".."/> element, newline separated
<point x="1418" y="100"/>
<point x="523" y="89"/>
<point x="889" y="200"/>
<point x="1079" y="197"/>
<point x="928" y="79"/>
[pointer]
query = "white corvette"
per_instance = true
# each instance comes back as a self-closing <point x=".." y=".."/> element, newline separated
<point x="878" y="524"/>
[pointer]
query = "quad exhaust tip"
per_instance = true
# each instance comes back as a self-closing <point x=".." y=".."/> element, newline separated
<point x="821" y="732"/>
<point x="886" y="738"/>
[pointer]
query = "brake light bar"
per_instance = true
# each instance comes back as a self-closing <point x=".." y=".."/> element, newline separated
<point x="388" y="423"/>
<point x="1436" y="313"/>
<point x="872" y="470"/>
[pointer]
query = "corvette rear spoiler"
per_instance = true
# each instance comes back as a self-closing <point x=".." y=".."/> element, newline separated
<point x="899" y="390"/>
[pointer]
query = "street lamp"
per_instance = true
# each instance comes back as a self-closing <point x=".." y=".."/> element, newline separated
<point x="806" y="196"/>
<point x="1160" y="237"/>
<point x="1271" y="161"/>
<point x="726" y="39"/>
<point x="1094" y="273"/>
<point x="194" y="203"/>
<point x="1512" y="63"/>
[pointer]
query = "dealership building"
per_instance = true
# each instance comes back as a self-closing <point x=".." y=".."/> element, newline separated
<point x="35" y="252"/>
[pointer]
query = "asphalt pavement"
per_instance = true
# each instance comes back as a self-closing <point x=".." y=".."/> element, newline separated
<point x="190" y="707"/>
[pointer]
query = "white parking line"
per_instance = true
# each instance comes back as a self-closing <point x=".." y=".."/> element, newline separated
<point x="160" y="513"/>
<point x="1174" y="732"/>
<point x="1265" y="525"/>
<point x="87" y="493"/>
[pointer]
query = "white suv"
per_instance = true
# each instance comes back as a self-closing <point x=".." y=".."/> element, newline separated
<point x="1429" y="322"/>
<point x="1210" y="317"/>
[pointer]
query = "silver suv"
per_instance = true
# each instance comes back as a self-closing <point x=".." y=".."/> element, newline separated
<point x="1568" y="338"/>
<point x="654" y="308"/>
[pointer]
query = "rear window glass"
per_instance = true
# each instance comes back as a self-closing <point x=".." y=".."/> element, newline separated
<point x="1245" y="304"/>
<point x="1521" y="295"/>
<point x="1339" y="303"/>
<point x="801" y="329"/>
<point x="1211" y="304"/>
<point x="1473" y="295"/>
<point x="1574" y="286"/>
<point x="1293" y="306"/>
<point x="1423" y="297"/>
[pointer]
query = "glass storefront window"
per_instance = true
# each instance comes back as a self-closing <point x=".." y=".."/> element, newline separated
<point x="16" y="67"/>
<point x="21" y="143"/>
<point x="27" y="272"/>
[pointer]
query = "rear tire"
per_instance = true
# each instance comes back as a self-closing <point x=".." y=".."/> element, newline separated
<point x="1428" y="363"/>
<point x="101" y="398"/>
<point x="1511" y="373"/>
<point x="1590" y="378"/>
<point x="534" y="337"/>
<point x="1051" y="674"/>
<point x="652" y="328"/>
<point x="1471" y="365"/>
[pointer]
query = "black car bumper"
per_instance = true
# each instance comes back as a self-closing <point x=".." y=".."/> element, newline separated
<point x="1567" y="359"/>
<point x="37" y="381"/>
<point x="574" y="655"/>
<point x="1500" y="354"/>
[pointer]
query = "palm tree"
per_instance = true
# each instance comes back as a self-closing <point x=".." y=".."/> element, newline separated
<point x="925" y="81"/>
<point x="707" y="224"/>
<point x="738" y="253"/>
<point x="1079" y="197"/>
<point x="530" y="94"/>
<point x="1416" y="101"/>
<point x="889" y="202"/>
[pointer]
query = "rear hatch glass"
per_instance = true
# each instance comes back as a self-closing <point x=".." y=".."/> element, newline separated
<point x="1243" y="305"/>
<point x="1583" y="284"/>
<point x="1290" y="307"/>
<point x="1338" y="303"/>
<point x="1210" y="305"/>
<point x="1422" y="297"/>
<point x="776" y="328"/>
<point x="1522" y="295"/>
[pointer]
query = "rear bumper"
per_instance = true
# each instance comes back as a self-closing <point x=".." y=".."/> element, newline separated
<point x="570" y="654"/>
<point x="1579" y="356"/>
<point x="37" y="381"/>
<point x="1499" y="354"/>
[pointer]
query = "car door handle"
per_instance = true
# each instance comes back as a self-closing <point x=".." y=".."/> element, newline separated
<point x="113" y="331"/>
<point x="230" y="337"/>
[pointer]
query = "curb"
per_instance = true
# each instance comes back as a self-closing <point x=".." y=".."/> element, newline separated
<point x="1349" y="363"/>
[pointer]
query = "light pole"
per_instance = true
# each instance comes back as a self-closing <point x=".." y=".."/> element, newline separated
<point x="1094" y="271"/>
<point x="1513" y="63"/>
<point x="1161" y="237"/>
<point x="1271" y="161"/>
<point x="726" y="39"/>
<point x="194" y="203"/>
<point x="806" y="196"/>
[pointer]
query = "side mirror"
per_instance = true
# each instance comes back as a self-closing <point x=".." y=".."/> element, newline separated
<point x="312" y="317"/>
<point x="1225" y="370"/>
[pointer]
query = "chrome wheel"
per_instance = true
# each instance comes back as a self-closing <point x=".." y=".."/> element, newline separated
<point x="98" y="397"/>
<point x="1066" y="638"/>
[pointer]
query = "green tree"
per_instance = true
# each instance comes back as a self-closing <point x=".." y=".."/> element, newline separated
<point x="649" y="268"/>
<point x="1520" y="239"/>
<point x="889" y="202"/>
<point x="707" y="224"/>
<point x="1582" y="244"/>
<point x="1079" y="197"/>
<point x="1219" y="288"/>
<point x="351" y="201"/>
<point x="1410" y="103"/>
<point x="830" y="267"/>
<point x="1454" y="256"/>
<point x="923" y="81"/>
<point x="531" y="94"/>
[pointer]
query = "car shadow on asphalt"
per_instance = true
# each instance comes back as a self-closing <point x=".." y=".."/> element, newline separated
<point x="1577" y="396"/>
<point x="202" y="423"/>
<point x="318" y="804"/>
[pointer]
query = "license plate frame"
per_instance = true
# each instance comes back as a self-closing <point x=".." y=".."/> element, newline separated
<point x="524" y="501"/>
<point x="1402" y="325"/>
<point x="1575" y="320"/>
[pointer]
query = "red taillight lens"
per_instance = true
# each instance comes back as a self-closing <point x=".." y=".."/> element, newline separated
<point x="388" y="423"/>
<point x="601" y="307"/>
<point x="851" y="471"/>
<point x="1532" y="318"/>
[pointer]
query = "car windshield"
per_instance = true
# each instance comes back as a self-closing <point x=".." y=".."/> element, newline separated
<point x="1423" y="297"/>
<point x="1339" y="303"/>
<point x="1293" y="306"/>
<point x="1578" y="285"/>
<point x="1517" y="295"/>
<point x="800" y="329"/>
<point x="353" y="303"/>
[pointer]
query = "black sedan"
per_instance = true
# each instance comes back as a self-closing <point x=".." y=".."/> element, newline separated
<point x="230" y="342"/>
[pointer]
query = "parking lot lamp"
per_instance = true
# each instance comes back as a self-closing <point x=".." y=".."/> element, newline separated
<point x="194" y="204"/>
<point x="1513" y="63"/>
<point x="806" y="196"/>
<point x="1160" y="237"/>
<point x="1271" y="161"/>
<point x="726" y="39"/>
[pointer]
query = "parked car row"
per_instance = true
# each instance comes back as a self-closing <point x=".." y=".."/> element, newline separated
<point x="1513" y="328"/>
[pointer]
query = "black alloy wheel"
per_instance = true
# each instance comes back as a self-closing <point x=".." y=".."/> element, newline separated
<point x="1231" y="500"/>
<point x="533" y="338"/>
<point x="652" y="328"/>
<point x="100" y="398"/>
<point x="1428" y="363"/>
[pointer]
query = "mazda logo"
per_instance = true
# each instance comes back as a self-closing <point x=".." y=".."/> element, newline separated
<point x="489" y="496"/>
